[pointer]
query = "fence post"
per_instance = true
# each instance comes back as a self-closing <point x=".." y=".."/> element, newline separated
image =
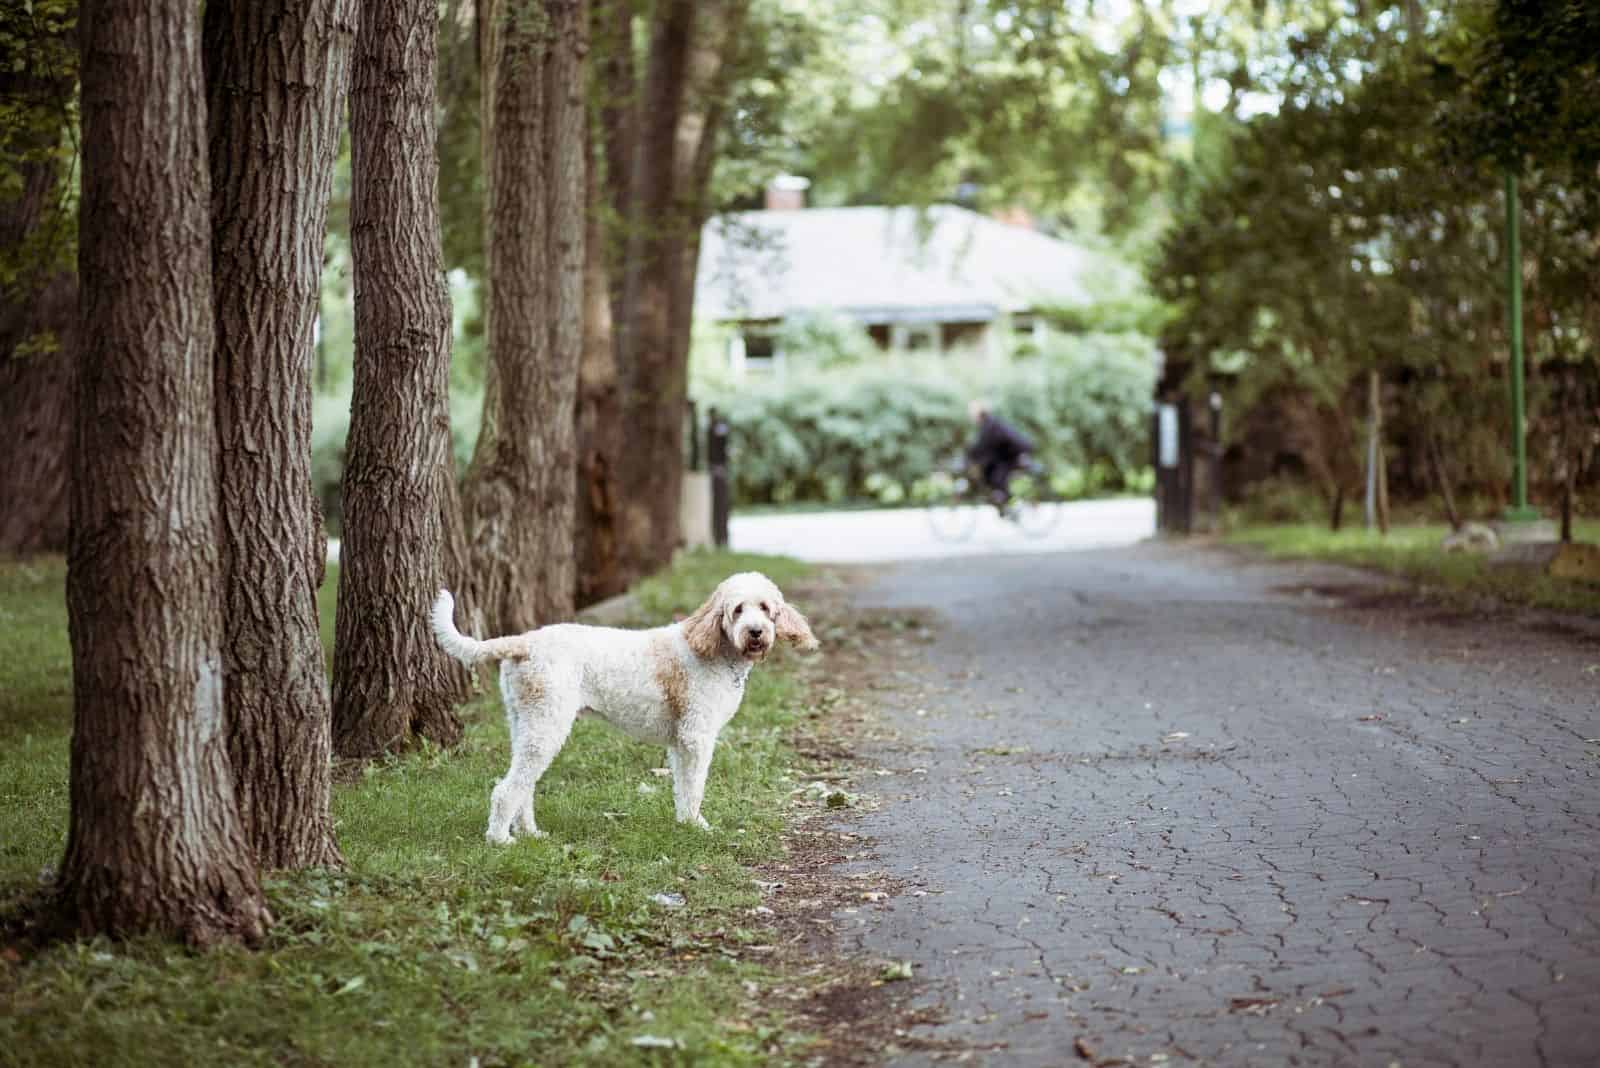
<point x="717" y="462"/>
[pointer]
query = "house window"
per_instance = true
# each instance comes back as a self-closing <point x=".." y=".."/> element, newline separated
<point x="752" y="350"/>
<point x="914" y="337"/>
<point x="760" y="352"/>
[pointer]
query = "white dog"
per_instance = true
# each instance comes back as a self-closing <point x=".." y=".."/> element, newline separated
<point x="676" y="686"/>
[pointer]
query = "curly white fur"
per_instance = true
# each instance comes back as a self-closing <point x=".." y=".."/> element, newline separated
<point x="676" y="686"/>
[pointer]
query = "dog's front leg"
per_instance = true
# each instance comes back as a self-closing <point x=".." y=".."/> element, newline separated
<point x="690" y="765"/>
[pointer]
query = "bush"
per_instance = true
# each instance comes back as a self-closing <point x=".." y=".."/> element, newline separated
<point x="881" y="429"/>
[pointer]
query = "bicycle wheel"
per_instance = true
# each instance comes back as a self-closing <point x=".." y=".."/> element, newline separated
<point x="1035" y="508"/>
<point x="953" y="516"/>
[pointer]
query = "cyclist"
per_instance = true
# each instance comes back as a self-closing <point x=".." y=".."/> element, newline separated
<point x="998" y="450"/>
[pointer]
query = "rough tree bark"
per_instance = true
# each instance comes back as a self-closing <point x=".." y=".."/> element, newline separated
<point x="277" y="73"/>
<point x="600" y="439"/>
<point x="710" y="68"/>
<point x="519" y="494"/>
<point x="39" y="301"/>
<point x="690" y="54"/>
<point x="392" y="683"/>
<point x="655" y="388"/>
<point x="603" y="568"/>
<point x="36" y="417"/>
<point x="155" y="842"/>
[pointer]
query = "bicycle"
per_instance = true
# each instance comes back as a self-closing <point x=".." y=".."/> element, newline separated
<point x="960" y="495"/>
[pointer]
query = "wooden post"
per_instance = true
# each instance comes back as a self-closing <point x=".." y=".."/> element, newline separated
<point x="717" y="461"/>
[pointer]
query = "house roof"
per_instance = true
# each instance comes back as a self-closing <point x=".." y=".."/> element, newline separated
<point x="881" y="265"/>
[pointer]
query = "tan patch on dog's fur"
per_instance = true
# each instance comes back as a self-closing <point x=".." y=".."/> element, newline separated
<point x="673" y="679"/>
<point x="514" y="647"/>
<point x="528" y="687"/>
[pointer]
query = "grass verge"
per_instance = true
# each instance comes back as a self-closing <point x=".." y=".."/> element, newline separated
<point x="1412" y="552"/>
<point x="432" y="948"/>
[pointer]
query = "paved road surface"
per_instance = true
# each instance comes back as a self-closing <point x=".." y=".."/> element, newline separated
<point x="1183" y="811"/>
<point x="906" y="534"/>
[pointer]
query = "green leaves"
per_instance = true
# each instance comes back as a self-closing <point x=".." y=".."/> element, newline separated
<point x="878" y="429"/>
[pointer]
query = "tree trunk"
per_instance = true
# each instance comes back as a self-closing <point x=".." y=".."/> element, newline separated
<point x="154" y="840"/>
<point x="569" y="216"/>
<point x="519" y="492"/>
<point x="1436" y="461"/>
<point x="391" y="681"/>
<point x="1374" y="435"/>
<point x="278" y="72"/>
<point x="655" y="388"/>
<point x="36" y="418"/>
<point x="39" y="301"/>
<point x="601" y="571"/>
<point x="616" y="91"/>
<point x="602" y="563"/>
<point x="685" y="87"/>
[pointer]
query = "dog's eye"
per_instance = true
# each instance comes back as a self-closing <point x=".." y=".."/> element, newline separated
<point x="737" y="609"/>
<point x="766" y="609"/>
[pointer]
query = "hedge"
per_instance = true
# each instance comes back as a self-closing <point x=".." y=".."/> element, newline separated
<point x="879" y="428"/>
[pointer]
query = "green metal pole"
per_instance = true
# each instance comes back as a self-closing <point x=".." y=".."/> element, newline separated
<point x="1519" y="509"/>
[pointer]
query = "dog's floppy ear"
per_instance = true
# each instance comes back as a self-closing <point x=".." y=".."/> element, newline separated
<point x="703" y="630"/>
<point x="792" y="627"/>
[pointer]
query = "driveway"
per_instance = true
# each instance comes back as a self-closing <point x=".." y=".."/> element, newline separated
<point x="906" y="534"/>
<point x="1154" y="805"/>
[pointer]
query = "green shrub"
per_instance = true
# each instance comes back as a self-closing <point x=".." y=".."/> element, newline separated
<point x="883" y="428"/>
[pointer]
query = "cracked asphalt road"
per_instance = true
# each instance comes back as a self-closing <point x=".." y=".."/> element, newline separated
<point x="1165" y="805"/>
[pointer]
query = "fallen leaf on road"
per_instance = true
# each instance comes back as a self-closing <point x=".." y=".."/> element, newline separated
<point x="1369" y="718"/>
<point x="1253" y="1006"/>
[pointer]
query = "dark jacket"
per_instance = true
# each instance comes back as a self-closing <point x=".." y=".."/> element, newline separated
<point x="998" y="443"/>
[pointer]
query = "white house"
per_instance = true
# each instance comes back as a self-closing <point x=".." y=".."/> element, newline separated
<point x="916" y="279"/>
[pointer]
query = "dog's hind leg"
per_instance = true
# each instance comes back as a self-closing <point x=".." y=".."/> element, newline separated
<point x="539" y="727"/>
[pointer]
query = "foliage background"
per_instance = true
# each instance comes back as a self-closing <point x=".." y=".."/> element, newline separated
<point x="846" y="422"/>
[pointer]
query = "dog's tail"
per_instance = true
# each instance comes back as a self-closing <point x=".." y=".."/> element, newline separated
<point x="470" y="651"/>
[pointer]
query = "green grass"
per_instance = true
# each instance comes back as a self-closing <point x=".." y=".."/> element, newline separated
<point x="432" y="948"/>
<point x="1412" y="552"/>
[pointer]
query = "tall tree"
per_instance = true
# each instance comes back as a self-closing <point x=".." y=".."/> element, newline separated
<point x="277" y="74"/>
<point x="600" y="567"/>
<point x="155" y="841"/>
<point x="519" y="494"/>
<point x="38" y="289"/>
<point x="603" y="569"/>
<point x="692" y="47"/>
<point x="391" y="681"/>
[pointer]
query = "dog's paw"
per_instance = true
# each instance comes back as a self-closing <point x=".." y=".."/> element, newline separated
<point x="501" y="838"/>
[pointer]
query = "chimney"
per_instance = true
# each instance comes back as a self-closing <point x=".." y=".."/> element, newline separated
<point x="787" y="192"/>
